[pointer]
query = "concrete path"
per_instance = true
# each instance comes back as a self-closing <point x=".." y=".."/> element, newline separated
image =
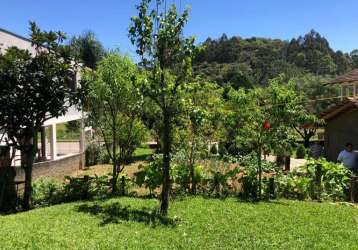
<point x="295" y="163"/>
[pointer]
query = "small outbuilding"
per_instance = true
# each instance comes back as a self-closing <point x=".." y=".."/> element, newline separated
<point x="342" y="119"/>
<point x="341" y="127"/>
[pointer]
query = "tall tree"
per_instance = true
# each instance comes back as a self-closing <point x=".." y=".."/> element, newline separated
<point x="113" y="105"/>
<point x="165" y="56"/>
<point x="87" y="48"/>
<point x="317" y="96"/>
<point x="34" y="88"/>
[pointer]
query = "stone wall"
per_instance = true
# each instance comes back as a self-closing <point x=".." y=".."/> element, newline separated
<point x="55" y="169"/>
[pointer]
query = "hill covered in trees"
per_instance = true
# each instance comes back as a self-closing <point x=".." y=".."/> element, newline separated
<point x="253" y="61"/>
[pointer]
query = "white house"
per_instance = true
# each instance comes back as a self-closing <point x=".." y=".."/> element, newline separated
<point x="51" y="150"/>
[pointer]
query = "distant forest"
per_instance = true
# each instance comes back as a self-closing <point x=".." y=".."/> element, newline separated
<point x="248" y="62"/>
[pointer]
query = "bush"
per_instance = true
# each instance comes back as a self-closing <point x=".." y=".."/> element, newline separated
<point x="104" y="157"/>
<point x="150" y="175"/>
<point x="92" y="154"/>
<point x="335" y="178"/>
<point x="318" y="179"/>
<point x="46" y="191"/>
<point x="301" y="152"/>
<point x="293" y="186"/>
<point x="249" y="179"/>
<point x="85" y="188"/>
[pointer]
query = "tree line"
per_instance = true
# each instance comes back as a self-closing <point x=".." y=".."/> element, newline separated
<point x="243" y="62"/>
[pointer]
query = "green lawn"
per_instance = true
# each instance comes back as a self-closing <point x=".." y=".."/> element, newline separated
<point x="194" y="223"/>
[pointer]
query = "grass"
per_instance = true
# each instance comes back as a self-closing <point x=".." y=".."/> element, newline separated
<point x="193" y="223"/>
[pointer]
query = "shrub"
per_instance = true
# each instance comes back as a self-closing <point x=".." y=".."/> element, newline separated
<point x="318" y="179"/>
<point x="293" y="186"/>
<point x="92" y="153"/>
<point x="104" y="157"/>
<point x="249" y="178"/>
<point x="150" y="175"/>
<point x="334" y="180"/>
<point x="84" y="188"/>
<point x="301" y="152"/>
<point x="46" y="191"/>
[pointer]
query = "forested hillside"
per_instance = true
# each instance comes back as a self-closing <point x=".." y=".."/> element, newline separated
<point x="253" y="61"/>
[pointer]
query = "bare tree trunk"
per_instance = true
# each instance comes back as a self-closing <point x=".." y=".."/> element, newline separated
<point x="259" y="151"/>
<point x="306" y="141"/>
<point x="114" y="155"/>
<point x="192" y="163"/>
<point x="166" y="164"/>
<point x="28" y="151"/>
<point x="114" y="179"/>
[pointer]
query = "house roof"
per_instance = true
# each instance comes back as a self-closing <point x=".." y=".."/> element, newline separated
<point x="16" y="35"/>
<point x="350" y="77"/>
<point x="346" y="105"/>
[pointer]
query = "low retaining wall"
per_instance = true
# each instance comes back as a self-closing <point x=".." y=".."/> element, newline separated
<point x="55" y="169"/>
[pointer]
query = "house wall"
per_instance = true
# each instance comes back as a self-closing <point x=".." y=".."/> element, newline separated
<point x="55" y="169"/>
<point x="8" y="39"/>
<point x="339" y="131"/>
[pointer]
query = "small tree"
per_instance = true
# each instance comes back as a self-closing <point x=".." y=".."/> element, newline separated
<point x="113" y="105"/>
<point x="267" y="116"/>
<point x="318" y="96"/>
<point x="34" y="88"/>
<point x="166" y="58"/>
<point x="200" y="123"/>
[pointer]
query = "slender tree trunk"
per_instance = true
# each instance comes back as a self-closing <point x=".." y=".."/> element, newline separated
<point x="192" y="167"/>
<point x="306" y="141"/>
<point x="193" y="181"/>
<point x="259" y="151"/>
<point x="28" y="152"/>
<point x="114" y="156"/>
<point x="114" y="179"/>
<point x="166" y="164"/>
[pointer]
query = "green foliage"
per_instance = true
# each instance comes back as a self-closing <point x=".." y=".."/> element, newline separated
<point x="313" y="87"/>
<point x="166" y="63"/>
<point x="303" y="184"/>
<point x="249" y="178"/>
<point x="85" y="188"/>
<point x="263" y="119"/>
<point x="87" y="48"/>
<point x="92" y="154"/>
<point x="244" y="63"/>
<point x="335" y="178"/>
<point x="113" y="104"/>
<point x="150" y="175"/>
<point x="47" y="191"/>
<point x="35" y="88"/>
<point x="301" y="151"/>
<point x="294" y="186"/>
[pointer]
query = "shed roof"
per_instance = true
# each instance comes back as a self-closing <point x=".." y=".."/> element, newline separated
<point x="350" y="77"/>
<point x="346" y="105"/>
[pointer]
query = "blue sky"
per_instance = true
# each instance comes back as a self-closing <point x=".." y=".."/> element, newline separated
<point x="337" y="20"/>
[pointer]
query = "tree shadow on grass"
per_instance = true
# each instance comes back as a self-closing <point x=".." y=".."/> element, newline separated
<point x="115" y="213"/>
